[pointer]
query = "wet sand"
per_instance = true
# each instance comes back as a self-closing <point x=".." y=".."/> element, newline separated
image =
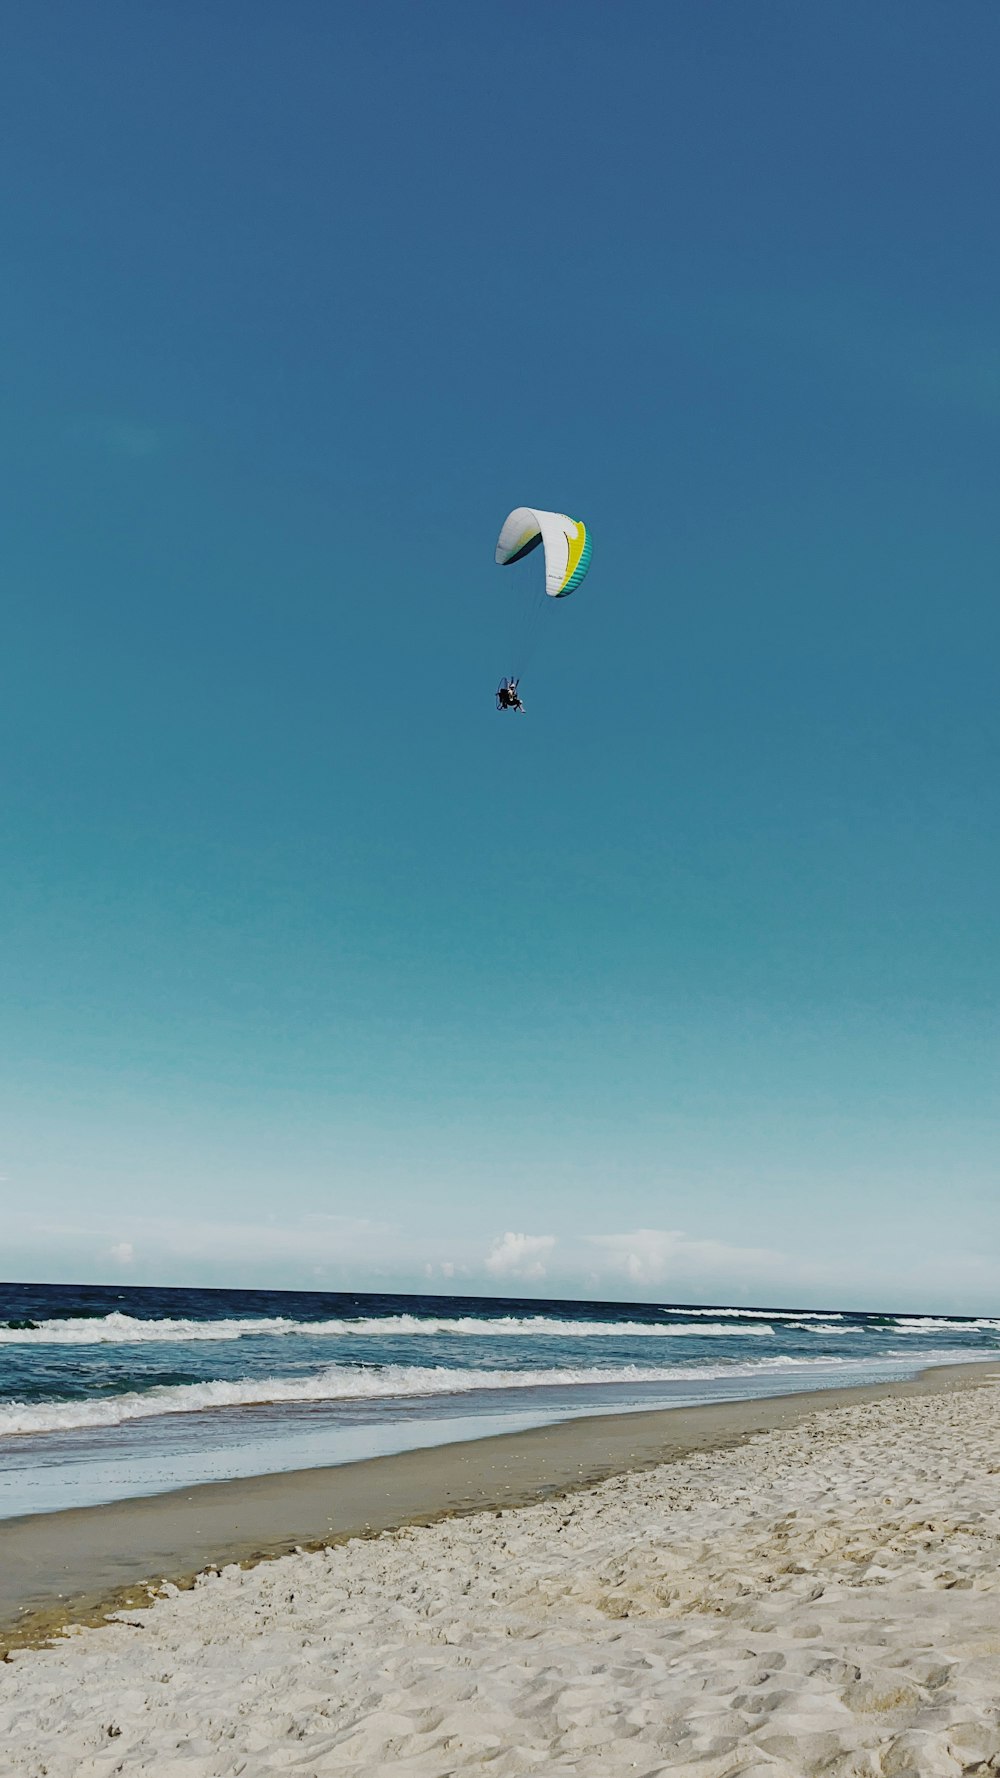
<point x="76" y="1566"/>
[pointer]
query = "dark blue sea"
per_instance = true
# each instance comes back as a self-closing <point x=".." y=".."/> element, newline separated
<point x="108" y="1391"/>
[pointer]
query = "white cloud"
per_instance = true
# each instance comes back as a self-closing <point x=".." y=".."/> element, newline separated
<point x="341" y="1252"/>
<point x="650" y="1256"/>
<point x="519" y="1256"/>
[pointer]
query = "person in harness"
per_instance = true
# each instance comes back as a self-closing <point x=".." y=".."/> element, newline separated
<point x="507" y="696"/>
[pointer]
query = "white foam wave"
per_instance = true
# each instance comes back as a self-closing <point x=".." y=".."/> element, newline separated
<point x="943" y="1324"/>
<point x="127" y="1330"/>
<point x="400" y="1381"/>
<point x="118" y="1329"/>
<point x="764" y="1314"/>
<point x="353" y="1383"/>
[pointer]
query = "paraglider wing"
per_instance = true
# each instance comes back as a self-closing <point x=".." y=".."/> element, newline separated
<point x="566" y="542"/>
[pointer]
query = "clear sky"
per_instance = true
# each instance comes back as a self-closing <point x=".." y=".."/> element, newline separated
<point x="315" y="970"/>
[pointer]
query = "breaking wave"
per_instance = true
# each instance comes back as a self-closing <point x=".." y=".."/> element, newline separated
<point x="399" y="1382"/>
<point x="351" y="1383"/>
<point x="118" y="1329"/>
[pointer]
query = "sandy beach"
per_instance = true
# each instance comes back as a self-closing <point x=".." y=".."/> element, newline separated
<point x="804" y="1586"/>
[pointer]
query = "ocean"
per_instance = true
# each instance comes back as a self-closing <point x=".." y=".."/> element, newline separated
<point x="109" y="1391"/>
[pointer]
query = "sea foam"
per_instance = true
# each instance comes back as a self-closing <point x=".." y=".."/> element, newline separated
<point x="118" y="1329"/>
<point x="357" y="1383"/>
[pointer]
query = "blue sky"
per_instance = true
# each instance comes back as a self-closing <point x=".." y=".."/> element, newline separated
<point x="314" y="968"/>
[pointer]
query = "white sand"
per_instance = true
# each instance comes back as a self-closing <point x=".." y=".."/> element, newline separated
<point x="822" y="1599"/>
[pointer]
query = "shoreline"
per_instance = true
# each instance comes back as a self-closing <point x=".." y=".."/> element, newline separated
<point x="78" y="1565"/>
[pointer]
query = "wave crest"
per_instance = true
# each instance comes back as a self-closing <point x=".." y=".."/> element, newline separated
<point x="355" y="1383"/>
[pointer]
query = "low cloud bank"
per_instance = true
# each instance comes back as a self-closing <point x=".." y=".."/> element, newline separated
<point x="346" y="1253"/>
<point x="520" y="1256"/>
<point x="648" y="1256"/>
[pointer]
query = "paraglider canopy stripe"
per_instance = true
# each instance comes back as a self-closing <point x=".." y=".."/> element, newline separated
<point x="566" y="542"/>
<point x="579" y="561"/>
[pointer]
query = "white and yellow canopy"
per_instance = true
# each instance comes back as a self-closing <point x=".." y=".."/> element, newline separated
<point x="566" y="542"/>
